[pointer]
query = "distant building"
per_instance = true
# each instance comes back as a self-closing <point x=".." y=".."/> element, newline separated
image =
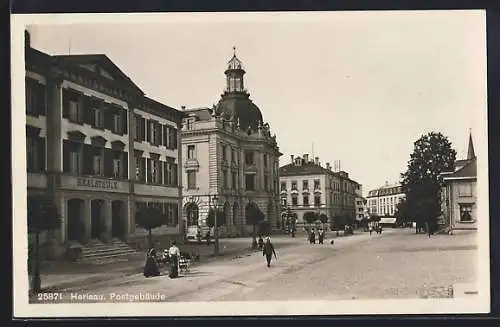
<point x="458" y="196"/>
<point x="305" y="185"/>
<point x="383" y="200"/>
<point x="228" y="152"/>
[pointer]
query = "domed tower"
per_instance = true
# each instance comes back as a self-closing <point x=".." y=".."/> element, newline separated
<point x="235" y="101"/>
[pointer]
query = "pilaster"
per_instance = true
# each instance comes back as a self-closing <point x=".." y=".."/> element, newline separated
<point x="86" y="217"/>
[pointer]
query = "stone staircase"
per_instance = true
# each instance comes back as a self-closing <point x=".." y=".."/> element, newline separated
<point x="99" y="252"/>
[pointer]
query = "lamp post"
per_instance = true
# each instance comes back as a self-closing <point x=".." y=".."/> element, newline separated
<point x="216" y="236"/>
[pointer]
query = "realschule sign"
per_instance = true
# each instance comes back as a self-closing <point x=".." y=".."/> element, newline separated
<point x="97" y="183"/>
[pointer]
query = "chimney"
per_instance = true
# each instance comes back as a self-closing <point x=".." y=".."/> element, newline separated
<point x="183" y="107"/>
<point x="316" y="160"/>
<point x="328" y="166"/>
<point x="291" y="158"/>
<point x="306" y="158"/>
<point x="386" y="183"/>
<point x="27" y="39"/>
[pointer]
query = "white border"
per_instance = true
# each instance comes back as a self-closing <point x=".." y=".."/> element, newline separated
<point x="478" y="304"/>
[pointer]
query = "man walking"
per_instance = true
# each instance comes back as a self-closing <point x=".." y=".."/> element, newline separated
<point x="268" y="251"/>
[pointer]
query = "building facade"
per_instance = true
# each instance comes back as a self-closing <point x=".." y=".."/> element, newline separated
<point x="305" y="185"/>
<point x="98" y="147"/>
<point x="229" y="153"/>
<point x="383" y="201"/>
<point x="459" y="193"/>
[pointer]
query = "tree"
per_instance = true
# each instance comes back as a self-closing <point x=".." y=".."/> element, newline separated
<point x="254" y="216"/>
<point x="221" y="218"/>
<point x="432" y="155"/>
<point x="149" y="218"/>
<point x="42" y="216"/>
<point x="264" y="227"/>
<point x="402" y="214"/>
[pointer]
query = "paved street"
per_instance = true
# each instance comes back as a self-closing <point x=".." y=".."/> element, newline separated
<point x="397" y="264"/>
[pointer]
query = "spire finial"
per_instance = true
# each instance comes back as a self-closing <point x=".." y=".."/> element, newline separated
<point x="234" y="51"/>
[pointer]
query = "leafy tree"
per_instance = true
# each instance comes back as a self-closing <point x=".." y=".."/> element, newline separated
<point x="310" y="217"/>
<point x="402" y="214"/>
<point x="432" y="155"/>
<point x="149" y="218"/>
<point x="43" y="215"/>
<point x="324" y="219"/>
<point x="254" y="216"/>
<point x="374" y="217"/>
<point x="221" y="218"/>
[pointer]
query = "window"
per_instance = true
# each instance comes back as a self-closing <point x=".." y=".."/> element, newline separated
<point x="266" y="183"/>
<point x="283" y="186"/>
<point x="250" y="182"/>
<point x="74" y="162"/>
<point x="74" y="111"/>
<point x="189" y="124"/>
<point x="294" y="185"/>
<point x="249" y="158"/>
<point x="465" y="190"/>
<point x="155" y="171"/>
<point x="305" y="184"/>
<point x="465" y="212"/>
<point x="191" y="179"/>
<point x="117" y="124"/>
<point x="140" y="128"/>
<point x="224" y="152"/>
<point x="35" y="97"/>
<point x="234" y="156"/>
<point x="32" y="154"/>
<point x="316" y="184"/>
<point x="235" y="180"/>
<point x="225" y="179"/>
<point x="98" y="118"/>
<point x="191" y="152"/>
<point x="305" y="201"/>
<point x="117" y="167"/>
<point x="317" y="201"/>
<point x="139" y="168"/>
<point x="97" y="164"/>
<point x="295" y="201"/>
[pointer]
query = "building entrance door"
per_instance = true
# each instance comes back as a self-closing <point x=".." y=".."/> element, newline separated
<point x="96" y="218"/>
<point x="118" y="218"/>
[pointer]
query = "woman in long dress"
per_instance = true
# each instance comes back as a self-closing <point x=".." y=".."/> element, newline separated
<point x="151" y="267"/>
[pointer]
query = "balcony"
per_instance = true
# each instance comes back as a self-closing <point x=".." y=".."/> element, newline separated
<point x="36" y="180"/>
<point x="155" y="190"/>
<point x="192" y="164"/>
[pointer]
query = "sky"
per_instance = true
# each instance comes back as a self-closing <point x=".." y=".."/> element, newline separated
<point x="359" y="87"/>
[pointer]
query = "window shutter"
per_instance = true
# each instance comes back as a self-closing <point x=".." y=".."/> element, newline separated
<point x="162" y="134"/>
<point x="124" y="173"/>
<point x="165" y="173"/>
<point x="42" y="99"/>
<point x="166" y="131"/>
<point x="175" y="181"/>
<point x="175" y="214"/>
<point x="65" y="104"/>
<point x="66" y="156"/>
<point x="160" y="171"/>
<point x="124" y="120"/>
<point x="88" y="157"/>
<point x="108" y="163"/>
<point x="148" y="173"/>
<point x="41" y="154"/>
<point x="174" y="138"/>
<point x="157" y="132"/>
<point x="148" y="130"/>
<point x="86" y="110"/>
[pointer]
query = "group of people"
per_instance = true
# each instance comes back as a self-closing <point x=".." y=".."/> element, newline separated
<point x="320" y="235"/>
<point x="170" y="257"/>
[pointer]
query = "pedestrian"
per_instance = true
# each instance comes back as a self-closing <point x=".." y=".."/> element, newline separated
<point x="261" y="242"/>
<point x="268" y="251"/>
<point x="321" y="236"/>
<point x="174" y="255"/>
<point x="313" y="237"/>
<point x="370" y="229"/>
<point x="151" y="266"/>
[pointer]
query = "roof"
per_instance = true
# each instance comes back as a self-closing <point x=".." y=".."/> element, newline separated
<point x="239" y="106"/>
<point x="162" y="107"/>
<point x="100" y="64"/>
<point x="309" y="168"/>
<point x="469" y="170"/>
<point x="385" y="190"/>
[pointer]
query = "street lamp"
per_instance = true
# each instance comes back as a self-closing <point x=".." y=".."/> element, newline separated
<point x="216" y="236"/>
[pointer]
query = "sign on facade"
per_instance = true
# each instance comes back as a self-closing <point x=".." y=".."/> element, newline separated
<point x="97" y="183"/>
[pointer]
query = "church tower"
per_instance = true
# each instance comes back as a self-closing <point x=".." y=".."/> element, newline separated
<point x="470" y="152"/>
<point x="234" y="75"/>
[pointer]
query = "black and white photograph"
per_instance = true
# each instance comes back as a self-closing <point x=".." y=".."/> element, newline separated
<point x="208" y="164"/>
